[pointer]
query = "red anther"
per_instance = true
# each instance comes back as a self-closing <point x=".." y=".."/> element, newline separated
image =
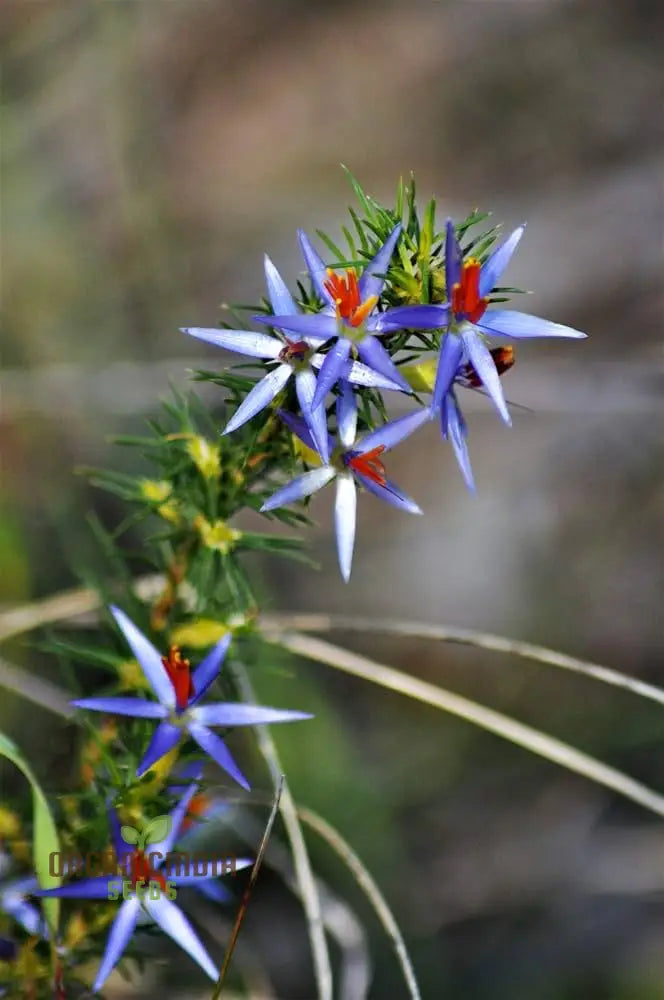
<point x="466" y="299"/>
<point x="142" y="872"/>
<point x="369" y="465"/>
<point x="503" y="359"/>
<point x="179" y="674"/>
<point x="295" y="350"/>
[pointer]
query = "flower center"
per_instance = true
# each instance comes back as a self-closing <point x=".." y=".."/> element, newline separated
<point x="295" y="350"/>
<point x="503" y="359"/>
<point x="179" y="674"/>
<point x="466" y="301"/>
<point x="141" y="871"/>
<point x="346" y="294"/>
<point x="369" y="465"/>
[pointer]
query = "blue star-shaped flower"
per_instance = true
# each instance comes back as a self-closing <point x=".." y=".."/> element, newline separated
<point x="178" y="709"/>
<point x="466" y="319"/>
<point x="294" y="358"/>
<point x="162" y="910"/>
<point x="351" y="462"/>
<point x="14" y="902"/>
<point x="349" y="315"/>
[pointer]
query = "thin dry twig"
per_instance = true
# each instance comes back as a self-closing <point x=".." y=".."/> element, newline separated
<point x="249" y="889"/>
<point x="486" y="718"/>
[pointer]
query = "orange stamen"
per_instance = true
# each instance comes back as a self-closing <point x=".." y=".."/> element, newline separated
<point x="346" y="294"/>
<point x="369" y="465"/>
<point x="178" y="670"/>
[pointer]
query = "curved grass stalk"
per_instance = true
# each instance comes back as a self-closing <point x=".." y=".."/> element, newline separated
<point x="342" y="848"/>
<point x="73" y="603"/>
<point x="464" y="708"/>
<point x="370" y="889"/>
<point x="465" y="637"/>
<point x="340" y="921"/>
<point x="301" y="862"/>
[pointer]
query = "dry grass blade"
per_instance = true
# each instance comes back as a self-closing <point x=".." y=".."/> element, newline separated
<point x="370" y="889"/>
<point x="247" y="892"/>
<point x="465" y="637"/>
<point x="73" y="603"/>
<point x="301" y="862"/>
<point x="486" y="718"/>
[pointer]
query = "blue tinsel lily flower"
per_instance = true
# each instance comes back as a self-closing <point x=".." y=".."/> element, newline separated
<point x="178" y="709"/>
<point x="466" y="318"/>
<point x="294" y="358"/>
<point x="163" y="911"/>
<point x="352" y="462"/>
<point x="349" y="315"/>
<point x="14" y="898"/>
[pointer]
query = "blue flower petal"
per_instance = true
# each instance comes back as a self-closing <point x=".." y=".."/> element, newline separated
<point x="509" y="323"/>
<point x="241" y="714"/>
<point x="280" y="298"/>
<point x="358" y="374"/>
<point x="177" y="815"/>
<point x="390" y="493"/>
<point x="494" y="266"/>
<point x="14" y="903"/>
<point x="331" y="369"/>
<point x="310" y="324"/>
<point x="453" y="259"/>
<point x="449" y="360"/>
<point x="260" y="396"/>
<point x="453" y="426"/>
<point x="164" y="738"/>
<point x="346" y="416"/>
<point x="140" y="708"/>
<point x="214" y="890"/>
<point x="88" y="888"/>
<point x="315" y="266"/>
<point x="375" y="356"/>
<point x="300" y="488"/>
<point x="305" y="387"/>
<point x="118" y="939"/>
<point x="391" y="434"/>
<point x="484" y="365"/>
<point x="209" y="668"/>
<point x="148" y="657"/>
<point x="298" y="427"/>
<point x="373" y="277"/>
<point x="254" y="345"/>
<point x="345" y="514"/>
<point x="410" y="317"/>
<point x="173" y="922"/>
<point x="218" y="750"/>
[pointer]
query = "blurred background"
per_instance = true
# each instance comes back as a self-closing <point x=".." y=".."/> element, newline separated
<point x="151" y="153"/>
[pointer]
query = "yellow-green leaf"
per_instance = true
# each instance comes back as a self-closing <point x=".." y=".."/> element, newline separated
<point x="421" y="376"/>
<point x="45" y="836"/>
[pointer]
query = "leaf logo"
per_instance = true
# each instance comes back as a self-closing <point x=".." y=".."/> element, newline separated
<point x="153" y="832"/>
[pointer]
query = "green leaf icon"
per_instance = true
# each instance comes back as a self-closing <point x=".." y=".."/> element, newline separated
<point x="157" y="829"/>
<point x="129" y="834"/>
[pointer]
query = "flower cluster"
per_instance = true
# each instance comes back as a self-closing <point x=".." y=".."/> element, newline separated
<point x="178" y="714"/>
<point x="407" y="311"/>
<point x="351" y="336"/>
